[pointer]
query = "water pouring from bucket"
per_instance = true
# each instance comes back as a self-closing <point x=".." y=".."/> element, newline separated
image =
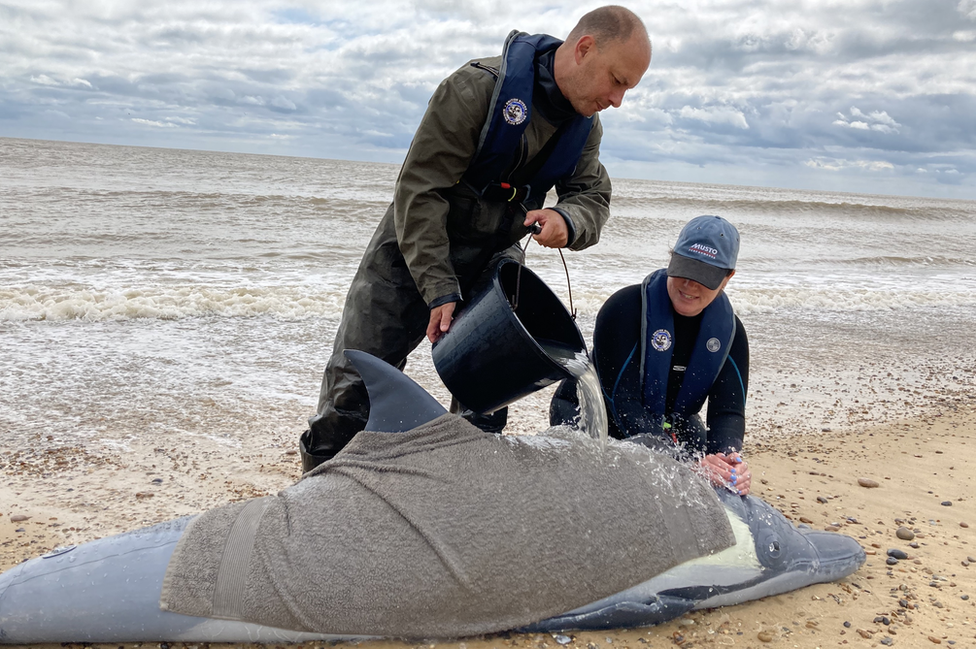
<point x="512" y="339"/>
<point x="589" y="394"/>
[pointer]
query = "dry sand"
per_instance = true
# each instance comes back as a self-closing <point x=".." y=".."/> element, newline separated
<point x="923" y="468"/>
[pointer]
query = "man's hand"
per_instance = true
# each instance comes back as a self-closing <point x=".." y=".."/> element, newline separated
<point x="729" y="471"/>
<point x="440" y="321"/>
<point x="554" y="233"/>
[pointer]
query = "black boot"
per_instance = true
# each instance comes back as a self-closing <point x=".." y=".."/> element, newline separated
<point x="493" y="422"/>
<point x="310" y="460"/>
<point x="327" y="435"/>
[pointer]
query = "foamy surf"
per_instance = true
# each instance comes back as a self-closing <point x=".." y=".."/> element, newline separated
<point x="164" y="303"/>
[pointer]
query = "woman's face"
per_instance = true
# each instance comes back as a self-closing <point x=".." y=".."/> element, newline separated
<point x="689" y="298"/>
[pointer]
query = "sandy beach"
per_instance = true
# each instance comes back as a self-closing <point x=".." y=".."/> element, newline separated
<point x="923" y="469"/>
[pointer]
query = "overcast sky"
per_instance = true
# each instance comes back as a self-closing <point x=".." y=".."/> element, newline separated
<point x="868" y="96"/>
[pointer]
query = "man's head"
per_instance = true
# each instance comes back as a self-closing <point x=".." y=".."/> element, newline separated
<point x="604" y="56"/>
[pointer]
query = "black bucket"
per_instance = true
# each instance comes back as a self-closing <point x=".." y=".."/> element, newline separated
<point x="494" y="354"/>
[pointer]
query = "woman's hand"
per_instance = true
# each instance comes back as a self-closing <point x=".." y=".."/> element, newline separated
<point x="729" y="471"/>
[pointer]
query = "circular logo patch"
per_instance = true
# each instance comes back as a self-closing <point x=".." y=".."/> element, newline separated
<point x="515" y="111"/>
<point x="713" y="345"/>
<point x="661" y="340"/>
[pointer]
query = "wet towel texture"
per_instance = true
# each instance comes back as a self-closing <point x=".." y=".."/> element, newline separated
<point x="445" y="531"/>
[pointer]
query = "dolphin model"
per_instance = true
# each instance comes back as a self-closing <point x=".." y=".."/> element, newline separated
<point x="422" y="527"/>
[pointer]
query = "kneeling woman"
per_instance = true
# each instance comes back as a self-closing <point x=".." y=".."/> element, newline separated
<point x="661" y="348"/>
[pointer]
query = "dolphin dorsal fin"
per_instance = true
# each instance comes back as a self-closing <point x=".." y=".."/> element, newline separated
<point x="396" y="402"/>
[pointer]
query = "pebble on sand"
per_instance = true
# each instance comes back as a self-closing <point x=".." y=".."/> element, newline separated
<point x="904" y="534"/>
<point x="16" y="518"/>
<point x="868" y="483"/>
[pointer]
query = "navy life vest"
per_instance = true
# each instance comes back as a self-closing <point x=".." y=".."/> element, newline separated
<point x="708" y="355"/>
<point x="509" y="114"/>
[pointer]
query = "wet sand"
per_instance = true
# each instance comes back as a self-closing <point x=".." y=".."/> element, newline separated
<point x="923" y="467"/>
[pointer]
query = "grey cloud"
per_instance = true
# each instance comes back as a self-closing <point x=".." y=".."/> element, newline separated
<point x="328" y="98"/>
<point x="873" y="89"/>
<point x="272" y="76"/>
<point x="924" y="140"/>
<point x="967" y="8"/>
<point x="175" y="36"/>
<point x="283" y="104"/>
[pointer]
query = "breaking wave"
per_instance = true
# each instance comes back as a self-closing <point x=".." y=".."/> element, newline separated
<point x="36" y="302"/>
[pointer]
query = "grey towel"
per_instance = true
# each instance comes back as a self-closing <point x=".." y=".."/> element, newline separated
<point x="445" y="531"/>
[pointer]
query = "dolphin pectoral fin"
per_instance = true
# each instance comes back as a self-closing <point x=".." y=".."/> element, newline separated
<point x="396" y="402"/>
<point x="620" y="615"/>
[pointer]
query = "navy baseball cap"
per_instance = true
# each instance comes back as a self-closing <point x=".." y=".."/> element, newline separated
<point x="705" y="251"/>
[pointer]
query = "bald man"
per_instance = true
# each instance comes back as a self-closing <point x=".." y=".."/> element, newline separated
<point x="497" y="135"/>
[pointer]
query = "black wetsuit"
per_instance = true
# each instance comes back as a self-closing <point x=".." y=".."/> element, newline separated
<point x="617" y="356"/>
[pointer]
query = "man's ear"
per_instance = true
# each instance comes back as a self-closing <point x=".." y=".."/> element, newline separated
<point x="584" y="46"/>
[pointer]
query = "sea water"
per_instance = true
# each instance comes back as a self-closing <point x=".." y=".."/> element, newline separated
<point x="589" y="393"/>
<point x="159" y="294"/>
<point x="593" y="411"/>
